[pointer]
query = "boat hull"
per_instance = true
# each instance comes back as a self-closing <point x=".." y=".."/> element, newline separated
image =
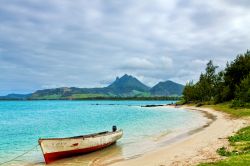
<point x="58" y="148"/>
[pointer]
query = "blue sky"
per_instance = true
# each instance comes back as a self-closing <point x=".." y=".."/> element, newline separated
<point x="82" y="43"/>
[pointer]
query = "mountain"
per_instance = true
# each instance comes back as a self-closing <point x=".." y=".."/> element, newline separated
<point x="122" y="87"/>
<point x="167" y="88"/>
<point x="126" y="86"/>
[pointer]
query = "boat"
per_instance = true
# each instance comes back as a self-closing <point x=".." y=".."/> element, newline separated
<point x="57" y="148"/>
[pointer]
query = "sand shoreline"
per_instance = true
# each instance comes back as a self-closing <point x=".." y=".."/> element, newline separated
<point x="199" y="147"/>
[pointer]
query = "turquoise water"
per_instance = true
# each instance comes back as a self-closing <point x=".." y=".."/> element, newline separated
<point x="23" y="122"/>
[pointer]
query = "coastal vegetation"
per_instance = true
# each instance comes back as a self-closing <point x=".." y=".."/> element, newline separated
<point x="227" y="108"/>
<point x="228" y="91"/>
<point x="229" y="85"/>
<point x="238" y="152"/>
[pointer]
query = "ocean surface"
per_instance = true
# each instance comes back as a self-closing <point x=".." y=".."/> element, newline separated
<point x="22" y="123"/>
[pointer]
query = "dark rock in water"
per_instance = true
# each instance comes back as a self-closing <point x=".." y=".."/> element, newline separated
<point x="152" y="105"/>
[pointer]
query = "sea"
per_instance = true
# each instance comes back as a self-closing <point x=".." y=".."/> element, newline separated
<point x="22" y="123"/>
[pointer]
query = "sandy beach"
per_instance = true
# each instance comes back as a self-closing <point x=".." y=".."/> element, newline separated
<point x="196" y="148"/>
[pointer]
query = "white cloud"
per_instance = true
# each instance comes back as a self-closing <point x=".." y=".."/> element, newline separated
<point x="137" y="63"/>
<point x="88" y="43"/>
<point x="166" y="62"/>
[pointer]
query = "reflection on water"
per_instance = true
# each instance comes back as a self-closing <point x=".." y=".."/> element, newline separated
<point x="91" y="158"/>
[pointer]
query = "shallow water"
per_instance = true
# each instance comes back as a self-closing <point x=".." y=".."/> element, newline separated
<point x="23" y="122"/>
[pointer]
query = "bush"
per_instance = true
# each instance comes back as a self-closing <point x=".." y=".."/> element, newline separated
<point x="181" y="102"/>
<point x="199" y="104"/>
<point x="237" y="103"/>
<point x="242" y="135"/>
<point x="223" y="151"/>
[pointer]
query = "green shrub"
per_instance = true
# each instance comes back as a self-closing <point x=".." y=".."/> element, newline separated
<point x="199" y="104"/>
<point x="223" y="151"/>
<point x="181" y="102"/>
<point x="242" y="135"/>
<point x="237" y="103"/>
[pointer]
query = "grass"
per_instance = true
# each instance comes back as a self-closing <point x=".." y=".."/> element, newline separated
<point x="240" y="160"/>
<point x="74" y="96"/>
<point x="49" y="97"/>
<point x="83" y="96"/>
<point x="239" y="155"/>
<point x="226" y="107"/>
<point x="241" y="140"/>
<point x="140" y="94"/>
<point x="180" y="102"/>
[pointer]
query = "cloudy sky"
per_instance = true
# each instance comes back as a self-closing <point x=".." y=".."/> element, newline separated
<point x="83" y="43"/>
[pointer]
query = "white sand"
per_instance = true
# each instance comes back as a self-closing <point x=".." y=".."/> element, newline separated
<point x="196" y="148"/>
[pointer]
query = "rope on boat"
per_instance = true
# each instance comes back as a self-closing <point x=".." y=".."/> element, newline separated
<point x="19" y="155"/>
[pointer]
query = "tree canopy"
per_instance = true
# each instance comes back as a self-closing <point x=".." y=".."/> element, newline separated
<point x="233" y="83"/>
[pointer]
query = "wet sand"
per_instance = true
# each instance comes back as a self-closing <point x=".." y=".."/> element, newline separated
<point x="194" y="147"/>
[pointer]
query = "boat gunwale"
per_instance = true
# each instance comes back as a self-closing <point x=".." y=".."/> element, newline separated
<point x="100" y="134"/>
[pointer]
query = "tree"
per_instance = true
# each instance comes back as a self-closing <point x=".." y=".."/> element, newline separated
<point x="243" y="90"/>
<point x="189" y="92"/>
<point x="206" y="85"/>
<point x="210" y="80"/>
<point x="219" y="87"/>
<point x="204" y="89"/>
<point x="235" y="72"/>
<point x="232" y="83"/>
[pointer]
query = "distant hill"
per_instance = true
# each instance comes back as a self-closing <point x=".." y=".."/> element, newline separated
<point x="69" y="93"/>
<point x="121" y="87"/>
<point x="14" y="96"/>
<point x="126" y="86"/>
<point x="167" y="88"/>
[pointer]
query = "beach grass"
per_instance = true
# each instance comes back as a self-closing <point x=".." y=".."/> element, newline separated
<point x="240" y="160"/>
<point x="239" y="151"/>
<point x="227" y="108"/>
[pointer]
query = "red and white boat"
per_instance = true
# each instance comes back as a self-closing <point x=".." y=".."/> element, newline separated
<point x="57" y="148"/>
